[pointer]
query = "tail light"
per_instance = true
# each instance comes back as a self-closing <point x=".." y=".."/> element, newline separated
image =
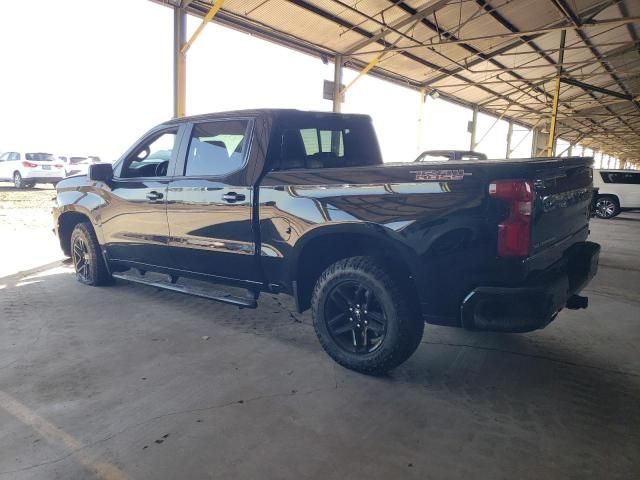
<point x="514" y="233"/>
<point x="26" y="164"/>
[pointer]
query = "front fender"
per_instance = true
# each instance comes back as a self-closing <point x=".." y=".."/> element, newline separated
<point x="84" y="201"/>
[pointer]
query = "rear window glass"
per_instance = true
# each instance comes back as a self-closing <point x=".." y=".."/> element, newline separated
<point x="76" y="160"/>
<point x="432" y="158"/>
<point x="39" y="157"/>
<point x="325" y="143"/>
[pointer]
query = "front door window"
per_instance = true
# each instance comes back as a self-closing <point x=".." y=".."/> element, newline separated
<point x="152" y="158"/>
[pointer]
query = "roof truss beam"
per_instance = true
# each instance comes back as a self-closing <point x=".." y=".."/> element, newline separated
<point x="432" y="6"/>
<point x="503" y="21"/>
<point x="566" y="10"/>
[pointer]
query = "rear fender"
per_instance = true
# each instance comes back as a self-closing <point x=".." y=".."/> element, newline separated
<point x="330" y="243"/>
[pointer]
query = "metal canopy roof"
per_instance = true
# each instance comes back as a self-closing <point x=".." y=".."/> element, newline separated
<point x="501" y="55"/>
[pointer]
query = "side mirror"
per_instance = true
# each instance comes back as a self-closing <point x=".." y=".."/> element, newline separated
<point x="101" y="172"/>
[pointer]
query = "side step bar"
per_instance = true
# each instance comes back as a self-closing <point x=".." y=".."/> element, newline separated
<point x="218" y="296"/>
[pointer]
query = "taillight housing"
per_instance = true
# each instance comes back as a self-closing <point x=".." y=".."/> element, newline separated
<point x="26" y="164"/>
<point x="514" y="233"/>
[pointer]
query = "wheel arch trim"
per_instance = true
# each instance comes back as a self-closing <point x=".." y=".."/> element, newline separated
<point x="79" y="214"/>
<point x="371" y="232"/>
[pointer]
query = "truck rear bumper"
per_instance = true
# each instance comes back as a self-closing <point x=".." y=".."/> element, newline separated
<point x="536" y="303"/>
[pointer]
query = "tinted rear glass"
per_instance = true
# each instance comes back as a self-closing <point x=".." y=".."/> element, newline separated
<point x="621" y="177"/>
<point x="40" y="157"/>
<point x="324" y="142"/>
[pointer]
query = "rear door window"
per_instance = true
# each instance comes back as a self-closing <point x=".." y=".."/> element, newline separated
<point x="629" y="178"/>
<point x="217" y="148"/>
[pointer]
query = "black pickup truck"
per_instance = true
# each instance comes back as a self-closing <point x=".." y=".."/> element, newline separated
<point x="300" y="203"/>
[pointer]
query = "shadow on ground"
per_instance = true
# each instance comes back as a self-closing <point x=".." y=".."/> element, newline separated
<point x="242" y="393"/>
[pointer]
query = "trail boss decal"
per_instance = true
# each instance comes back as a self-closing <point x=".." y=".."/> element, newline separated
<point x="440" y="175"/>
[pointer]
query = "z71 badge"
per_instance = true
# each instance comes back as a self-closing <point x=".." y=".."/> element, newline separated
<point x="440" y="175"/>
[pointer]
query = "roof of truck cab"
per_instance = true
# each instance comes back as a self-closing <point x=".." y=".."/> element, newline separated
<point x="280" y="113"/>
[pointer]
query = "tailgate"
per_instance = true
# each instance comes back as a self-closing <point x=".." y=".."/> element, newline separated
<point x="563" y="191"/>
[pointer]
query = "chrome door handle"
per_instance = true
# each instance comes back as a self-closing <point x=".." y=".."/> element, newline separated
<point x="232" y="197"/>
<point x="154" y="195"/>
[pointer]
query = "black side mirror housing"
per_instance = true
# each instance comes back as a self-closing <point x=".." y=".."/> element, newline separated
<point x="101" y="172"/>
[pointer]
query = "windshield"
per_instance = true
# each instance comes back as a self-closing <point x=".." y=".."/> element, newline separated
<point x="40" y="157"/>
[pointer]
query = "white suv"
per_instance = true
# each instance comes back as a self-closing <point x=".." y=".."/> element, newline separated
<point x="25" y="169"/>
<point x="618" y="190"/>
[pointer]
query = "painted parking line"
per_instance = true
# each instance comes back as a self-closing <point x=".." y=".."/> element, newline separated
<point x="54" y="435"/>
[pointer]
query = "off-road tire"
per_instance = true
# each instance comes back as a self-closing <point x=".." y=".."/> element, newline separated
<point x="404" y="324"/>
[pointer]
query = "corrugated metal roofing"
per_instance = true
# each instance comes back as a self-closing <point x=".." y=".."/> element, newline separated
<point x="501" y="55"/>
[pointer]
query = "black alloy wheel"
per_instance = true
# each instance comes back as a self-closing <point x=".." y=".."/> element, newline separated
<point x="354" y="317"/>
<point x="87" y="258"/>
<point x="364" y="315"/>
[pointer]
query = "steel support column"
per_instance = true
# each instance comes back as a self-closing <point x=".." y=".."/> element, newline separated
<point x="474" y="128"/>
<point x="539" y="142"/>
<point x="179" y="62"/>
<point x="509" y="138"/>
<point x="551" y="141"/>
<point x="337" y="82"/>
<point x="420" y="132"/>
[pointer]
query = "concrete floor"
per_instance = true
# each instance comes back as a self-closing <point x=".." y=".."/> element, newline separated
<point x="122" y="382"/>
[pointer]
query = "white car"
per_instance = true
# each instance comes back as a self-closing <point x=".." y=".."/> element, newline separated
<point x="75" y="165"/>
<point x="618" y="190"/>
<point x="25" y="169"/>
<point x="78" y="165"/>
